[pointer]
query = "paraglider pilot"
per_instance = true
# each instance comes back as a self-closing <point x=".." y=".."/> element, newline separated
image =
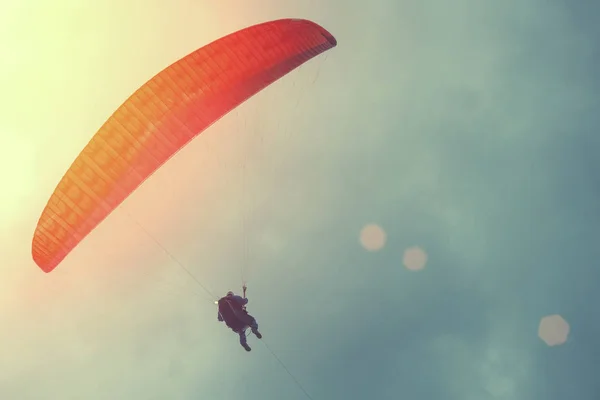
<point x="232" y="311"/>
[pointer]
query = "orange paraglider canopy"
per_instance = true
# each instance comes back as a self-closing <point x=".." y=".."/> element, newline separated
<point x="160" y="118"/>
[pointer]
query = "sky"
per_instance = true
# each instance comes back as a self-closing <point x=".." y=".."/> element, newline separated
<point x="405" y="209"/>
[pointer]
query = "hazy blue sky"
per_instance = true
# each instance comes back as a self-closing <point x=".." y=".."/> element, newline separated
<point x="468" y="128"/>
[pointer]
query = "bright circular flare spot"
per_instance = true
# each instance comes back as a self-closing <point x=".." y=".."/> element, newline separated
<point x="414" y="258"/>
<point x="553" y="330"/>
<point x="373" y="237"/>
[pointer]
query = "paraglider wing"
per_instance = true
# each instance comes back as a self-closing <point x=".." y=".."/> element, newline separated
<point x="160" y="118"/>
